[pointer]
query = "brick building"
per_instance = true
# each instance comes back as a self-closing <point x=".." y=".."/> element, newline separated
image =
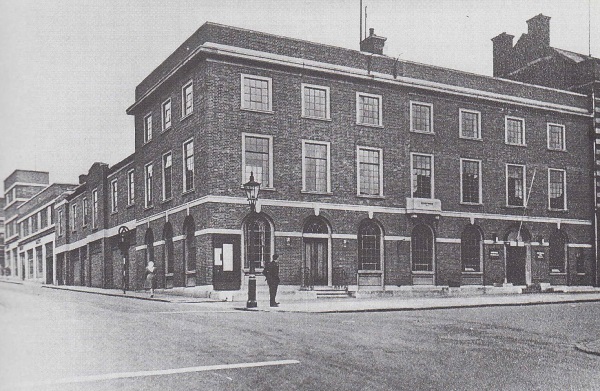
<point x="2" y="233"/>
<point x="375" y="173"/>
<point x="19" y="187"/>
<point x="533" y="60"/>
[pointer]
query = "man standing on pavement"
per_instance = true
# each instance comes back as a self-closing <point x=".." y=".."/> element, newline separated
<point x="271" y="273"/>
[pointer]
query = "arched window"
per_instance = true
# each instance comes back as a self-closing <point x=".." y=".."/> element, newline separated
<point x="189" y="248"/>
<point x="470" y="249"/>
<point x="422" y="248"/>
<point x="149" y="241"/>
<point x="558" y="252"/>
<point x="257" y="234"/>
<point x="168" y="252"/>
<point x="315" y="225"/>
<point x="369" y="246"/>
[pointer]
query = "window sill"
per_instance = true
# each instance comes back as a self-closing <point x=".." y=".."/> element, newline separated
<point x="472" y="273"/>
<point x="558" y="273"/>
<point x="190" y="272"/>
<point x="558" y="210"/>
<point x="556" y="150"/>
<point x="167" y="129"/>
<point x="422" y="272"/>
<point x="470" y="138"/>
<point x="169" y="275"/>
<point x="581" y="274"/>
<point x="147" y="142"/>
<point x="327" y="193"/>
<point x="368" y="196"/>
<point x="316" y="118"/>
<point x="370" y="125"/>
<point x="114" y="212"/>
<point x="422" y="132"/>
<point x="130" y="206"/>
<point x="257" y="110"/>
<point x="472" y="203"/>
<point x="149" y="207"/>
<point x="167" y="200"/>
<point x="514" y="207"/>
<point x="269" y="189"/>
<point x="370" y="271"/>
<point x="188" y="192"/>
<point x="515" y="145"/>
<point x="186" y="116"/>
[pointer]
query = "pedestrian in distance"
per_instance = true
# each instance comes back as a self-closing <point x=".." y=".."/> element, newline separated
<point x="271" y="273"/>
<point x="150" y="276"/>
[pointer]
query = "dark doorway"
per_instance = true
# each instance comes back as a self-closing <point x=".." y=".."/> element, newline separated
<point x="515" y="264"/>
<point x="227" y="264"/>
<point x="315" y="254"/>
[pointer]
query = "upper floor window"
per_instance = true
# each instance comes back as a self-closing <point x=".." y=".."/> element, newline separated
<point x="421" y="117"/>
<point x="188" y="165"/>
<point x="166" y="114"/>
<point x="514" y="131"/>
<point x="74" y="217"/>
<point x="34" y="223"/>
<point x="315" y="166"/>
<point x="368" y="109"/>
<point x="256" y="93"/>
<point x="258" y="159"/>
<point x="50" y="215"/>
<point x="187" y="99"/>
<point x="147" y="128"/>
<point x="167" y="176"/>
<point x="515" y="185"/>
<point x="370" y="171"/>
<point x="315" y="101"/>
<point x="113" y="195"/>
<point x="470" y="181"/>
<point x="60" y="223"/>
<point x="556" y="189"/>
<point x="421" y="175"/>
<point x="470" y="124"/>
<point x="556" y="137"/>
<point x="130" y="187"/>
<point x="85" y="212"/>
<point x="148" y="182"/>
<point x="95" y="208"/>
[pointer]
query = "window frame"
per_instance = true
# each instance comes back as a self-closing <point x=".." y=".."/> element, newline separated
<point x="95" y="214"/>
<point x="460" y="124"/>
<point x="305" y="86"/>
<point x="114" y="196"/>
<point x="380" y="150"/>
<point x="184" y="161"/>
<point x="84" y="212"/>
<point x="164" y="182"/>
<point x="148" y="189"/>
<point x="74" y="217"/>
<point x="184" y="99"/>
<point x="327" y="144"/>
<point x="432" y="266"/>
<point x="268" y="137"/>
<point x="564" y="133"/>
<point x="412" y="154"/>
<point x="522" y="120"/>
<point x="564" y="183"/>
<point x="524" y="176"/>
<point x="148" y="130"/>
<point x="363" y="255"/>
<point x="130" y="187"/>
<point x="269" y="81"/>
<point x="464" y="246"/>
<point x="480" y="196"/>
<point x="163" y="114"/>
<point x="411" y="117"/>
<point x="379" y="123"/>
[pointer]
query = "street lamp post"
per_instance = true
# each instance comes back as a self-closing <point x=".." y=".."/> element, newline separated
<point x="251" y="188"/>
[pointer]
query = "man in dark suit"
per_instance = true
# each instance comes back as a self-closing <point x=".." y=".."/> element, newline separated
<point x="271" y="273"/>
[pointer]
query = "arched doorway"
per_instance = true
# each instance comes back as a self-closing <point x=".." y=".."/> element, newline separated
<point x="316" y="243"/>
<point x="517" y="244"/>
<point x="168" y="255"/>
<point x="189" y="251"/>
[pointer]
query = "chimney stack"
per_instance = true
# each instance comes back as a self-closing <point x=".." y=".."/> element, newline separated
<point x="538" y="29"/>
<point x="503" y="46"/>
<point x="373" y="43"/>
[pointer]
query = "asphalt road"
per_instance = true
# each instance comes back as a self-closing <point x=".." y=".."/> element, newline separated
<point x="60" y="340"/>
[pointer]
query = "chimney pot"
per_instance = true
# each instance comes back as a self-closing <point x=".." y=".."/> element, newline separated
<point x="373" y="43"/>
<point x="371" y="31"/>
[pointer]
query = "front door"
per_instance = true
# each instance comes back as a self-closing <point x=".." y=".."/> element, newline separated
<point x="516" y="257"/>
<point x="315" y="260"/>
<point x="227" y="265"/>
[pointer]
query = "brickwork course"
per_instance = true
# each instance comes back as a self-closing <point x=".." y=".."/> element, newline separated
<point x="205" y="235"/>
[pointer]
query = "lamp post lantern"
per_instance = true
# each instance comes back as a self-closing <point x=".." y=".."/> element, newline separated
<point x="252" y="189"/>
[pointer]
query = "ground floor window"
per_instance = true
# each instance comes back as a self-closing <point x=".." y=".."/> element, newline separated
<point x="257" y="234"/>
<point x="422" y="248"/>
<point x="189" y="229"/>
<point x="558" y="252"/>
<point x="470" y="249"/>
<point x="369" y="246"/>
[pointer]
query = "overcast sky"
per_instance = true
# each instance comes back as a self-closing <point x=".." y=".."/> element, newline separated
<point x="68" y="69"/>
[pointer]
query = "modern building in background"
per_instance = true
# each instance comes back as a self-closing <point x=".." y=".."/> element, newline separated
<point x="375" y="174"/>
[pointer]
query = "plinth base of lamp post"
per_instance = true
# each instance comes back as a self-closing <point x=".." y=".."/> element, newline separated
<point x="251" y="303"/>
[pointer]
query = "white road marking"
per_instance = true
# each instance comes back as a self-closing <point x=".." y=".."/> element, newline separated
<point x="193" y="312"/>
<point x="124" y="375"/>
